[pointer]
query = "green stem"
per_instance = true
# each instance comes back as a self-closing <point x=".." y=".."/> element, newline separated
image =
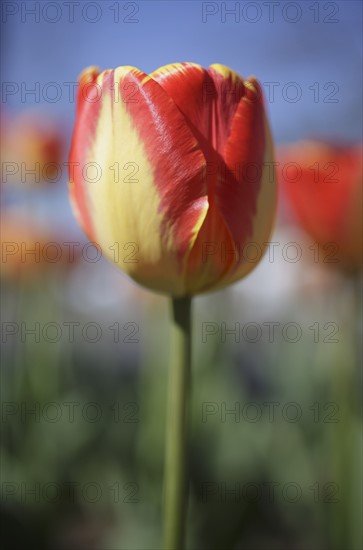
<point x="176" y="484"/>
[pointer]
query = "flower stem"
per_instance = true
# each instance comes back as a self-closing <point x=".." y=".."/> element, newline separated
<point x="176" y="484"/>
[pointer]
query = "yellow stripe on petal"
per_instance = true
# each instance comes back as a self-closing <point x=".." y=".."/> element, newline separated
<point x="225" y="72"/>
<point x="171" y="68"/>
<point x="88" y="74"/>
<point x="125" y="204"/>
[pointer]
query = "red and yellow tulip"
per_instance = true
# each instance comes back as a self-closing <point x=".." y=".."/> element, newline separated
<point x="324" y="189"/>
<point x="176" y="167"/>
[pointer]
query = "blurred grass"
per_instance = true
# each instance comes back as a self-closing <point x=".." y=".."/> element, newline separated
<point x="122" y="451"/>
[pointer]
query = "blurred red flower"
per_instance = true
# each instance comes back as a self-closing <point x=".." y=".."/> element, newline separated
<point x="323" y="186"/>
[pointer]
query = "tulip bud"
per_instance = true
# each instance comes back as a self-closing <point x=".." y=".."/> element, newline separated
<point x="177" y="166"/>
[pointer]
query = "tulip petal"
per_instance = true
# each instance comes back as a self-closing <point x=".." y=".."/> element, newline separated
<point x="239" y="185"/>
<point x="87" y="115"/>
<point x="240" y="198"/>
<point x="160" y="201"/>
<point x="207" y="98"/>
<point x="261" y="200"/>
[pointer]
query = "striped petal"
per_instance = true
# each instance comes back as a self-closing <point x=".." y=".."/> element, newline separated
<point x="159" y="202"/>
<point x="241" y="187"/>
<point x="258" y="200"/>
<point x="85" y="127"/>
<point x="208" y="99"/>
<point x="227" y="117"/>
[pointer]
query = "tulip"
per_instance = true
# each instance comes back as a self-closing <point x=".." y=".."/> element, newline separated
<point x="175" y="169"/>
<point x="172" y="174"/>
<point x="323" y="185"/>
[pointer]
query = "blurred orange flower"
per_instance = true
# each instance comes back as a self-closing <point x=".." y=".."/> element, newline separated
<point x="31" y="150"/>
<point x="323" y="185"/>
<point x="29" y="248"/>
